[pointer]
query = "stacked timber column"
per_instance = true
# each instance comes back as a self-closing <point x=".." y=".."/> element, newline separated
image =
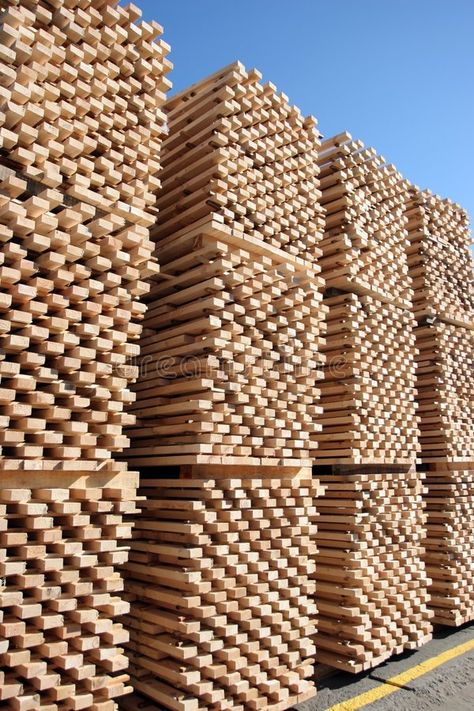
<point x="82" y="85"/>
<point x="442" y="269"/>
<point x="230" y="363"/>
<point x="222" y="608"/>
<point x="231" y="348"/>
<point x="371" y="584"/>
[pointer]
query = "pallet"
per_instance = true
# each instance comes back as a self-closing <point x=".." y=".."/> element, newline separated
<point x="371" y="584"/>
<point x="221" y="601"/>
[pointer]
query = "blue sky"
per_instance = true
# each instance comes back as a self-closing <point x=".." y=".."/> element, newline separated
<point x="399" y="74"/>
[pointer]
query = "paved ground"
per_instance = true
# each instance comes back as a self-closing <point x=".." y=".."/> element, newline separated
<point x="449" y="687"/>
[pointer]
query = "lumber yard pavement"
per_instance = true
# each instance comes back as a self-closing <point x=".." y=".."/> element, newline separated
<point x="439" y="676"/>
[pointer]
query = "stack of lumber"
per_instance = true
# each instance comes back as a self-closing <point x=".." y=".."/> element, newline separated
<point x="368" y="393"/>
<point x="442" y="270"/>
<point x="229" y="365"/>
<point x="239" y="154"/>
<point x="365" y="239"/>
<point x="80" y="129"/>
<point x="231" y="348"/>
<point x="371" y="588"/>
<point x="446" y="391"/>
<point x="440" y="259"/>
<point x="371" y="582"/>
<point x="61" y="541"/>
<point x="82" y="86"/>
<point x="450" y="542"/>
<point x="221" y="598"/>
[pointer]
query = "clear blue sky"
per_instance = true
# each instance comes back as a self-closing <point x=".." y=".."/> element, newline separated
<point x="399" y="74"/>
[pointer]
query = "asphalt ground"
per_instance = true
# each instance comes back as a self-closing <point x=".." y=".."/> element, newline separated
<point x="446" y="685"/>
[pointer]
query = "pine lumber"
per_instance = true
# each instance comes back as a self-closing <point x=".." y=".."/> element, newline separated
<point x="83" y="87"/>
<point x="365" y="239"/>
<point x="440" y="258"/>
<point x="221" y="601"/>
<point x="83" y="83"/>
<point x="368" y="391"/>
<point x="445" y="386"/>
<point x="230" y="355"/>
<point x="371" y="582"/>
<point x="238" y="152"/>
<point x="449" y="542"/>
<point x="63" y="538"/>
<point x="442" y="271"/>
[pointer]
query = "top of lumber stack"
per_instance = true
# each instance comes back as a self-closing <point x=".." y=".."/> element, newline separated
<point x="82" y="87"/>
<point x="440" y="258"/>
<point x="241" y="159"/>
<point x="365" y="236"/>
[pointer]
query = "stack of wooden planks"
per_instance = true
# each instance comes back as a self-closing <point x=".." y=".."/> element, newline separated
<point x="371" y="591"/>
<point x="61" y="544"/>
<point x="81" y="122"/>
<point x="440" y="259"/>
<point x="368" y="393"/>
<point x="231" y="348"/>
<point x="442" y="270"/>
<point x="240" y="155"/>
<point x="446" y="391"/>
<point x="449" y="541"/>
<point x="80" y="129"/>
<point x="371" y="582"/>
<point x="219" y="585"/>
<point x="364" y="198"/>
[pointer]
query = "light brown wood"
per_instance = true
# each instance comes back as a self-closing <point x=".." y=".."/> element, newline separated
<point x="82" y="86"/>
<point x="80" y="131"/>
<point x="371" y="584"/>
<point x="220" y="594"/>
<point x="230" y="353"/>
<point x="449" y="551"/>
<point x="62" y="544"/>
<point x="440" y="258"/>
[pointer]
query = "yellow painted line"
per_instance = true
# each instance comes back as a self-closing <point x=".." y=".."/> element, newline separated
<point x="358" y="702"/>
